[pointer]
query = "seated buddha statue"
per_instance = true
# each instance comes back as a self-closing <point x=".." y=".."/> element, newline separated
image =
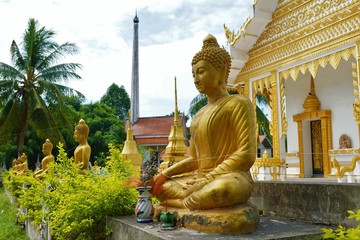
<point x="47" y="148"/>
<point x="22" y="166"/>
<point x="222" y="146"/>
<point x="15" y="164"/>
<point x="83" y="150"/>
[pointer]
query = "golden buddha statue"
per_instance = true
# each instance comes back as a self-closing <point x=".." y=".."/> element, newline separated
<point x="222" y="149"/>
<point x="22" y="165"/>
<point x="47" y="148"/>
<point x="83" y="150"/>
<point x="15" y="164"/>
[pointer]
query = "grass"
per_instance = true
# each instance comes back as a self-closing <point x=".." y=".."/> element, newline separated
<point x="8" y="228"/>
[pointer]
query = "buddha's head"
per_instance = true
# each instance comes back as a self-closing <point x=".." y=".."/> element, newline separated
<point x="218" y="57"/>
<point x="47" y="147"/>
<point x="81" y="131"/>
<point x="23" y="158"/>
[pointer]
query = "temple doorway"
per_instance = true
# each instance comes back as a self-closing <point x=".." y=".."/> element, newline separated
<point x="316" y="148"/>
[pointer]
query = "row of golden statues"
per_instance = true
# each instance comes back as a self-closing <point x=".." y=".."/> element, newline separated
<point x="81" y="154"/>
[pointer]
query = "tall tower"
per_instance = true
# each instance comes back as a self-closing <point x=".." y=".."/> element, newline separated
<point x="135" y="74"/>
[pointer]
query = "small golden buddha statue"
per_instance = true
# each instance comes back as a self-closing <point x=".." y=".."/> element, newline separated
<point x="222" y="149"/>
<point x="15" y="164"/>
<point x="47" y="148"/>
<point x="22" y="165"/>
<point x="83" y="150"/>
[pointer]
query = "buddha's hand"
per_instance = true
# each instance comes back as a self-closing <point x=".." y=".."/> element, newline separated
<point x="197" y="184"/>
<point x="158" y="184"/>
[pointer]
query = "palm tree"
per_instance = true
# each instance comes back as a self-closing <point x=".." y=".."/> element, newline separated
<point x="30" y="96"/>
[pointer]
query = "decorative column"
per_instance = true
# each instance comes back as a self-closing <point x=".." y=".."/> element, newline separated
<point x="301" y="149"/>
<point x="356" y="80"/>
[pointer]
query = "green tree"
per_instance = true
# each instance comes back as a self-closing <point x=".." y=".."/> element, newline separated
<point x="105" y="128"/>
<point x="118" y="99"/>
<point x="30" y="93"/>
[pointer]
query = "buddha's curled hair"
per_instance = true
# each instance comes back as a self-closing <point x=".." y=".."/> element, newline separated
<point x="213" y="53"/>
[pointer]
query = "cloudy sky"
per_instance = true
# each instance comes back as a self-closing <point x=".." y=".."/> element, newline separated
<point x="170" y="33"/>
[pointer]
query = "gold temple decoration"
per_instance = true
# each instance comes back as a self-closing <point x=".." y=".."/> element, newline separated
<point x="284" y="122"/>
<point x="349" y="168"/>
<point x="291" y="37"/>
<point x="313" y="66"/>
<point x="312" y="111"/>
<point x="267" y="87"/>
<point x="311" y="103"/>
<point x="356" y="80"/>
<point x="176" y="148"/>
<point x="303" y="37"/>
<point x="130" y="150"/>
<point x="231" y="37"/>
<point x="356" y="106"/>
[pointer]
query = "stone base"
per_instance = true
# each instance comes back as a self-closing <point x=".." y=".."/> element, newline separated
<point x="126" y="228"/>
<point x="240" y="219"/>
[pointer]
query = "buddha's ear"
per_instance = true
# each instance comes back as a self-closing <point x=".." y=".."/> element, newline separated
<point x="222" y="77"/>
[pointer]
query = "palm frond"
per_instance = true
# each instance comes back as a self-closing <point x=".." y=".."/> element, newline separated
<point x="10" y="116"/>
<point x="16" y="57"/>
<point x="263" y="123"/>
<point x="64" y="72"/>
<point x="8" y="72"/>
<point x="57" y="54"/>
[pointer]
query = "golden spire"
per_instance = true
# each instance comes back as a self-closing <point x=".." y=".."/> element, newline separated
<point x="176" y="114"/>
<point x="130" y="150"/>
<point x="176" y="148"/>
<point x="311" y="103"/>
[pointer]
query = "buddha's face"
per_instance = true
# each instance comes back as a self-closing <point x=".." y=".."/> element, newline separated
<point x="46" y="149"/>
<point x="206" y="77"/>
<point x="78" y="136"/>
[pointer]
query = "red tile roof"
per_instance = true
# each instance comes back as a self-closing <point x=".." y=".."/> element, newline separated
<point x="154" y="131"/>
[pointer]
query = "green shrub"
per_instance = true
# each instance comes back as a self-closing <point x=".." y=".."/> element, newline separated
<point x="343" y="233"/>
<point x="76" y="205"/>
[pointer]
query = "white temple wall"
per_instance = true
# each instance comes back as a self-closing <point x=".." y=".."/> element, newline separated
<point x="295" y="92"/>
<point x="335" y="91"/>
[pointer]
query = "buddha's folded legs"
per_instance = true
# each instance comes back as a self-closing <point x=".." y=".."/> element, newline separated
<point x="175" y="189"/>
<point x="225" y="190"/>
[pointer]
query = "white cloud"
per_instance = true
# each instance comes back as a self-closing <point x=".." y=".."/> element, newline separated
<point x="170" y="32"/>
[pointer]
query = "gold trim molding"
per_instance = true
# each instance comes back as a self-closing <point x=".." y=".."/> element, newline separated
<point x="345" y="151"/>
<point x="333" y="59"/>
<point x="336" y="30"/>
<point x="303" y="15"/>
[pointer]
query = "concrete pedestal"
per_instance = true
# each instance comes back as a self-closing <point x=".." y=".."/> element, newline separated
<point x="126" y="228"/>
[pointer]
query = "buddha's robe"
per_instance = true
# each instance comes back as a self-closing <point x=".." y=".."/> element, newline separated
<point x="223" y="149"/>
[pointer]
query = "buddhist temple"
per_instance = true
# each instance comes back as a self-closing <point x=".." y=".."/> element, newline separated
<point x="303" y="56"/>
